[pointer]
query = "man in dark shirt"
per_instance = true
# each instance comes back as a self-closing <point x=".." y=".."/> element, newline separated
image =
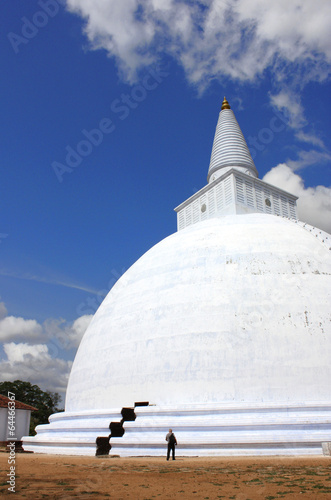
<point x="172" y="441"/>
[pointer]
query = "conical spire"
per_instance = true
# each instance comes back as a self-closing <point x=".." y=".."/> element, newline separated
<point x="229" y="148"/>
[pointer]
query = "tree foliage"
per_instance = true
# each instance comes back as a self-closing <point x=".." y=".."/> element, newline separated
<point x="45" y="401"/>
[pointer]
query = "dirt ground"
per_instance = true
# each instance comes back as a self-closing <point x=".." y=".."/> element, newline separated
<point x="40" y="476"/>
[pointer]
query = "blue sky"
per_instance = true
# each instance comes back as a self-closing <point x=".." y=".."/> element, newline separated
<point x="150" y="76"/>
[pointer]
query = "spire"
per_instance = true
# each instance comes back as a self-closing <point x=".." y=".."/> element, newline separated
<point x="233" y="187"/>
<point x="229" y="148"/>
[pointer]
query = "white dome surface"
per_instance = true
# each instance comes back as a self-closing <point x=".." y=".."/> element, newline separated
<point x="234" y="309"/>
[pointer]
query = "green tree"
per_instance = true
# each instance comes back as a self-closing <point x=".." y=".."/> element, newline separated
<point x="45" y="401"/>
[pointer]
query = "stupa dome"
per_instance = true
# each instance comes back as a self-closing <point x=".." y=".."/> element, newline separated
<point x="231" y="309"/>
<point x="221" y="331"/>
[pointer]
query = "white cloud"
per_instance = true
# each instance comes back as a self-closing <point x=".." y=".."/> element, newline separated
<point x="314" y="204"/>
<point x="309" y="158"/>
<point x="64" y="335"/>
<point x="35" y="364"/>
<point x="17" y="353"/>
<point x="79" y="327"/>
<point x="35" y="352"/>
<point x="212" y="39"/>
<point x="310" y="138"/>
<point x="12" y="328"/>
<point x="289" y="103"/>
<point x="61" y="333"/>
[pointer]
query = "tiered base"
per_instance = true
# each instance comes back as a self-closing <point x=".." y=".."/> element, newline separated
<point x="201" y="430"/>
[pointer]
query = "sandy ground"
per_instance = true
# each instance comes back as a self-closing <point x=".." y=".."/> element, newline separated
<point x="247" y="478"/>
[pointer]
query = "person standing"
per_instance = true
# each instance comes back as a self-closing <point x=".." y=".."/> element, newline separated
<point x="172" y="441"/>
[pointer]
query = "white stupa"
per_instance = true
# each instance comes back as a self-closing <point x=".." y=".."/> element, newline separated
<point x="221" y="331"/>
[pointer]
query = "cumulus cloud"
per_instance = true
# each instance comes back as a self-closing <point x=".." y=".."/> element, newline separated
<point x="211" y="39"/>
<point x="38" y="352"/>
<point x="79" y="327"/>
<point x="314" y="204"/>
<point x="34" y="363"/>
<point x="12" y="328"/>
<point x="17" y="353"/>
<point x="64" y="335"/>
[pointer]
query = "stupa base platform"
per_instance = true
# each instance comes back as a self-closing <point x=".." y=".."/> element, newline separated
<point x="201" y="430"/>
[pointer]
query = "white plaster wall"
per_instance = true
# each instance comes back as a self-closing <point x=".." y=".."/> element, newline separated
<point x="232" y="309"/>
<point x="22" y="423"/>
<point x="3" y="424"/>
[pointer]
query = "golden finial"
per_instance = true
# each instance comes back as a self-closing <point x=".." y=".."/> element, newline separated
<point x="225" y="104"/>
